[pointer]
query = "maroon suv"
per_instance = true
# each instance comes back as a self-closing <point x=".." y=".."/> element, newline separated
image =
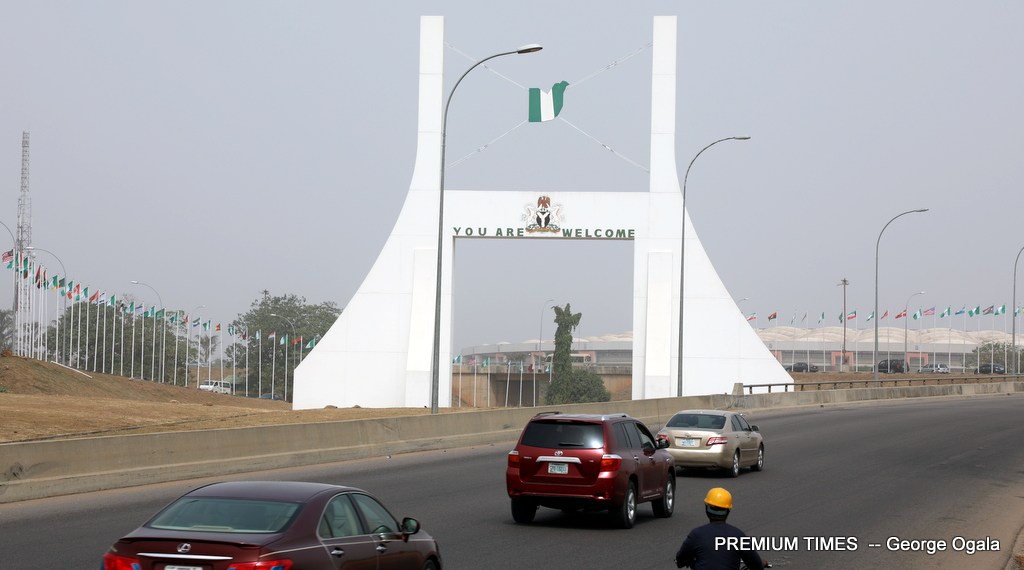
<point x="590" y="462"/>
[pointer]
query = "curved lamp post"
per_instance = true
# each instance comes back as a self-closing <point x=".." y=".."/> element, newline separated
<point x="874" y="353"/>
<point x="682" y="258"/>
<point x="906" y="331"/>
<point x="289" y="321"/>
<point x="435" y="369"/>
<point x="63" y="302"/>
<point x="152" y="368"/>
<point x="1016" y="356"/>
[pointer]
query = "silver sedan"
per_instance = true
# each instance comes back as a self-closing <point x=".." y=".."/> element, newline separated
<point x="714" y="439"/>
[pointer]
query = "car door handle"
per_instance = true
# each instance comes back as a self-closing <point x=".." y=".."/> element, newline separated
<point x="381" y="548"/>
<point x="337" y="552"/>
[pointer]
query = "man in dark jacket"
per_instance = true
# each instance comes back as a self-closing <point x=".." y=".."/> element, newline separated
<point x="717" y="545"/>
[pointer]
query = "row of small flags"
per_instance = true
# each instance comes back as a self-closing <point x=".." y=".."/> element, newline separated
<point x="990" y="310"/>
<point x="75" y="292"/>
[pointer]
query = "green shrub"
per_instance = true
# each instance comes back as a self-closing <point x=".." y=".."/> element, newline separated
<point x="580" y="386"/>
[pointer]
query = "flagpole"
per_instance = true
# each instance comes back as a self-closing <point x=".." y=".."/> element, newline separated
<point x="175" y="361"/>
<point x="259" y="360"/>
<point x="96" y="342"/>
<point x="152" y="358"/>
<point x="122" y="342"/>
<point x="273" y="364"/>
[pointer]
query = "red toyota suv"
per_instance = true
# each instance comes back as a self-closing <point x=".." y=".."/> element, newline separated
<point x="590" y="462"/>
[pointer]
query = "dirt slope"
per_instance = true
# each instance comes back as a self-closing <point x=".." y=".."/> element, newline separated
<point x="43" y="400"/>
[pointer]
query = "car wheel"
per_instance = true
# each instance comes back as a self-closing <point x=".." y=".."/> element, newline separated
<point x="760" y="459"/>
<point x="430" y="565"/>
<point x="523" y="510"/>
<point x="663" y="507"/>
<point x="734" y="471"/>
<point x="625" y="514"/>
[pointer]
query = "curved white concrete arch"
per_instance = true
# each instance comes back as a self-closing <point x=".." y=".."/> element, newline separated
<point x="378" y="353"/>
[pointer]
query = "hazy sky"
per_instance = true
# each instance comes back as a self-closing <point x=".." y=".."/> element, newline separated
<point x="217" y="149"/>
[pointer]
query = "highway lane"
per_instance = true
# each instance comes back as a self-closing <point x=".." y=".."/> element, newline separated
<point x="928" y="469"/>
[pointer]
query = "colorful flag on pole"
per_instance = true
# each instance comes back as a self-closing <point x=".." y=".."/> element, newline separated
<point x="258" y="336"/>
<point x="871" y="316"/>
<point x="752" y="317"/>
<point x="929" y="312"/>
<point x="821" y="318"/>
<point x="296" y="340"/>
<point x="311" y="343"/>
<point x="284" y="340"/>
<point x="988" y="310"/>
<point x="272" y="335"/>
<point x="961" y="311"/>
<point x="8" y="256"/>
<point x="1001" y="310"/>
<point x="206" y="325"/>
<point x="916" y="315"/>
<point x="945" y="312"/>
<point x="217" y="328"/>
<point x="159" y="314"/>
<point x="545" y="105"/>
<point x="885" y="314"/>
<point x="852" y="315"/>
<point x="457" y="359"/>
<point x="773" y="316"/>
<point x="901" y="314"/>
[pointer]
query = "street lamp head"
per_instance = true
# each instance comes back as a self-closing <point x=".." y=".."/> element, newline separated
<point x="742" y="138"/>
<point x="530" y="48"/>
<point x="922" y="210"/>
<point x="135" y="281"/>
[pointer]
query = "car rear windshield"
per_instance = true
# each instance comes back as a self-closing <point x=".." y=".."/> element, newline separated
<point x="564" y="434"/>
<point x="226" y="515"/>
<point x="697" y="421"/>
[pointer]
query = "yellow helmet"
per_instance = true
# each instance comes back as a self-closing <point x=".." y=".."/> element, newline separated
<point x="719" y="498"/>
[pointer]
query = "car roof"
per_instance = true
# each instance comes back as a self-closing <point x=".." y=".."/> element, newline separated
<point x="701" y="411"/>
<point x="294" y="491"/>
<point x="578" y="417"/>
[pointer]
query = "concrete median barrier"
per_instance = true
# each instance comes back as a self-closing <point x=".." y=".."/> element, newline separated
<point x="41" y="469"/>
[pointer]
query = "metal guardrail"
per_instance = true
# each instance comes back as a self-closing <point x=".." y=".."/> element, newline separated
<point x="893" y="382"/>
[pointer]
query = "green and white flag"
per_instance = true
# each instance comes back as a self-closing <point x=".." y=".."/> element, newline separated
<point x="1000" y="311"/>
<point x="946" y="312"/>
<point x="871" y="316"/>
<point x="457" y="359"/>
<point x="917" y="314"/>
<point x="545" y="105"/>
<point x="311" y="343"/>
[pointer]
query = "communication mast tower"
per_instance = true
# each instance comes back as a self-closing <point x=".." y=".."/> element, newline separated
<point x="22" y="289"/>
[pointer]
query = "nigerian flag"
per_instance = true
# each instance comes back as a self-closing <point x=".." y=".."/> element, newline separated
<point x="545" y="105"/>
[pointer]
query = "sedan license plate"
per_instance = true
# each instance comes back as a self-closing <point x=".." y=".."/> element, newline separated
<point x="688" y="442"/>
<point x="558" y="468"/>
<point x="183" y="568"/>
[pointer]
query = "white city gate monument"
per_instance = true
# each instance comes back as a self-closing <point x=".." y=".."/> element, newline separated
<point x="379" y="351"/>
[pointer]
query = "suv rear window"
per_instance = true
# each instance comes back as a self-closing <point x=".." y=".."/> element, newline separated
<point x="559" y="434"/>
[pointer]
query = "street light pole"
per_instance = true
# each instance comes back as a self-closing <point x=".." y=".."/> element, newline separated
<point x="842" y="358"/>
<point x="906" y="330"/>
<point x="152" y="368"/>
<point x="682" y="258"/>
<point x="56" y="355"/>
<point x="874" y="353"/>
<point x="286" y="319"/>
<point x="435" y="372"/>
<point x="1016" y="356"/>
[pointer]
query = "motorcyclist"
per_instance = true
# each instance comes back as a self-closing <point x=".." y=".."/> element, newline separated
<point x="700" y="552"/>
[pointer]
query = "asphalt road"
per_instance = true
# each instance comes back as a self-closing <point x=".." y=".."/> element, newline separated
<point x="835" y="478"/>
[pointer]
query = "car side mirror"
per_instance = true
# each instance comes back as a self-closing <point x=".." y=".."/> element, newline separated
<point x="754" y="427"/>
<point x="410" y="526"/>
<point x="663" y="443"/>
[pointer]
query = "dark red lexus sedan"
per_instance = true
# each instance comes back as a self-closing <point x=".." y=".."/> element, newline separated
<point x="275" y="525"/>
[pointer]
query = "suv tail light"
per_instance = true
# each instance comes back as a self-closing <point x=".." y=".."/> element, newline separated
<point x="610" y="462"/>
<point x="513" y="458"/>
<point x="717" y="440"/>
<point x="113" y="561"/>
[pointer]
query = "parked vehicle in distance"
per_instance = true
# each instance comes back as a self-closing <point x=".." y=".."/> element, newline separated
<point x="269" y="396"/>
<point x="801" y="367"/>
<point x="892" y="366"/>
<point x="606" y="462"/>
<point x="249" y="525"/>
<point x="934" y="368"/>
<point x="216" y="386"/>
<point x="990" y="369"/>
<point x="713" y="439"/>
